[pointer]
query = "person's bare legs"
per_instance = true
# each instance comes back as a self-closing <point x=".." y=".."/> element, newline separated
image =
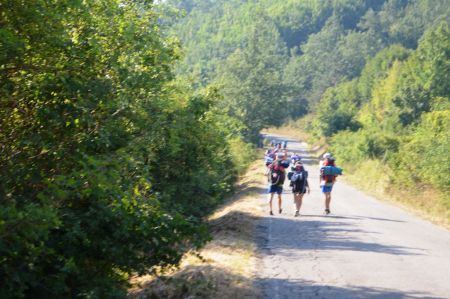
<point x="298" y="197"/>
<point x="327" y="201"/>
<point x="270" y="202"/>
<point x="279" y="203"/>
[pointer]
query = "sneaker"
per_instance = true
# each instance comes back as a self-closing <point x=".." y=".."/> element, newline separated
<point x="271" y="213"/>
<point x="281" y="210"/>
<point x="327" y="211"/>
<point x="297" y="213"/>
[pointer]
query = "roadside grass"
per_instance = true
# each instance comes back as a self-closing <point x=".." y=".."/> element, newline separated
<point x="225" y="267"/>
<point x="372" y="177"/>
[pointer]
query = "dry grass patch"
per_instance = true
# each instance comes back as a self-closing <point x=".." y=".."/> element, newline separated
<point x="227" y="264"/>
<point x="426" y="203"/>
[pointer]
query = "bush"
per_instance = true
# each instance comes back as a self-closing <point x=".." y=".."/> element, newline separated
<point x="354" y="147"/>
<point x="424" y="157"/>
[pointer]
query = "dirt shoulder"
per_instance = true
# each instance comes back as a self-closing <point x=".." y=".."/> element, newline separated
<point x="228" y="263"/>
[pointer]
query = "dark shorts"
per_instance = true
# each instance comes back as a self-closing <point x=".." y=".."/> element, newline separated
<point x="299" y="191"/>
<point x="327" y="188"/>
<point x="275" y="188"/>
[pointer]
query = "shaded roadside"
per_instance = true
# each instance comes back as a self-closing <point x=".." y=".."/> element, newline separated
<point x="226" y="266"/>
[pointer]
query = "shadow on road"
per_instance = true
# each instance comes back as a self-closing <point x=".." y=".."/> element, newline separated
<point x="353" y="217"/>
<point x="323" y="233"/>
<point x="309" y="289"/>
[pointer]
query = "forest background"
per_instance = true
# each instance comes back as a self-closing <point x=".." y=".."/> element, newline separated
<point x="124" y="123"/>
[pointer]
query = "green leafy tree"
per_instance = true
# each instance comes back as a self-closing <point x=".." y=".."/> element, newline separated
<point x="252" y="82"/>
<point x="337" y="110"/>
<point x="377" y="69"/>
<point x="425" y="75"/>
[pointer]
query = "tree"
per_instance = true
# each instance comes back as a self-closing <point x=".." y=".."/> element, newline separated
<point x="251" y="80"/>
<point x="425" y="75"/>
<point x="337" y="110"/>
<point x="377" y="69"/>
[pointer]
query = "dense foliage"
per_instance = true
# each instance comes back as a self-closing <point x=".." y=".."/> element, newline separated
<point x="107" y="164"/>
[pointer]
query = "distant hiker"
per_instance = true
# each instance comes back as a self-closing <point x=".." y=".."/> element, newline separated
<point x="328" y="174"/>
<point x="269" y="153"/>
<point x="277" y="147"/>
<point x="285" y="160"/>
<point x="299" y="185"/>
<point x="268" y="160"/>
<point x="285" y="144"/>
<point x="276" y="177"/>
<point x="295" y="158"/>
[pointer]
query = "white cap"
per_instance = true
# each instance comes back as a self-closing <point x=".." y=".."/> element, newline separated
<point x="327" y="156"/>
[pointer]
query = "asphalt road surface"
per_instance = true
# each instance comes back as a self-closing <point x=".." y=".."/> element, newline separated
<point x="365" y="248"/>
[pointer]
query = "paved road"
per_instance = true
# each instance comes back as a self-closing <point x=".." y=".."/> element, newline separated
<point x="364" y="249"/>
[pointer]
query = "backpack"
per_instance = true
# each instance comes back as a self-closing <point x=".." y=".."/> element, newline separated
<point x="331" y="170"/>
<point x="285" y="163"/>
<point x="268" y="160"/>
<point x="277" y="174"/>
<point x="298" y="180"/>
<point x="295" y="158"/>
<point x="329" y="173"/>
<point x="290" y="174"/>
<point x="299" y="176"/>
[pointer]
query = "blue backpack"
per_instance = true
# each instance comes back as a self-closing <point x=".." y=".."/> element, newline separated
<point x="331" y="170"/>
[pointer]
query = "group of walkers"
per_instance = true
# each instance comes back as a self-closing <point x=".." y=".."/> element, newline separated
<point x="278" y="161"/>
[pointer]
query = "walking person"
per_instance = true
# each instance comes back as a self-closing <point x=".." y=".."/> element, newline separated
<point x="276" y="177"/>
<point x="277" y="148"/>
<point x="295" y="158"/>
<point x="268" y="160"/>
<point x="299" y="184"/>
<point x="327" y="180"/>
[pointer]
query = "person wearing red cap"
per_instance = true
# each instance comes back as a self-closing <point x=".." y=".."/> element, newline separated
<point x="327" y="181"/>
<point x="276" y="177"/>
